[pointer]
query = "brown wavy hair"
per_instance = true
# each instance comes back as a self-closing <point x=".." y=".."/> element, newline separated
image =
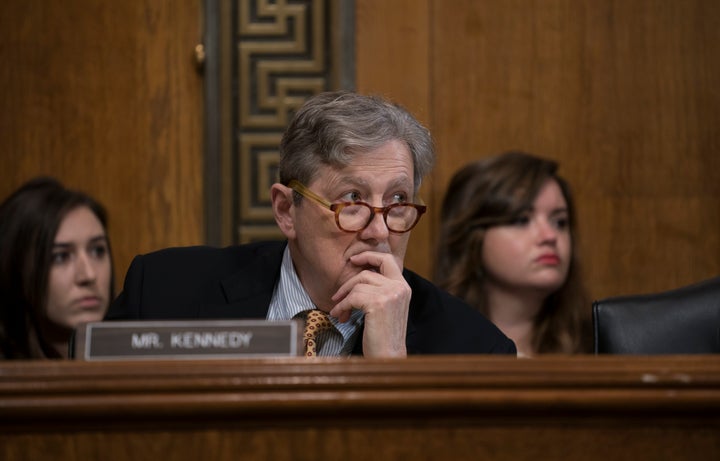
<point x="495" y="191"/>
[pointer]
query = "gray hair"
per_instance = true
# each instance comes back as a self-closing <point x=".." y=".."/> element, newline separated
<point x="330" y="128"/>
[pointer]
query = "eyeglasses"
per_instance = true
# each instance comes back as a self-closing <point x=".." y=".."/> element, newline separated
<point x="356" y="216"/>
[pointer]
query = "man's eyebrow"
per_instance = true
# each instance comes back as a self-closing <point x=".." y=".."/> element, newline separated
<point x="401" y="181"/>
<point x="349" y="181"/>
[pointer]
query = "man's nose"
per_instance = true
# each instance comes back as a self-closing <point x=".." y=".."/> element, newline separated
<point x="377" y="228"/>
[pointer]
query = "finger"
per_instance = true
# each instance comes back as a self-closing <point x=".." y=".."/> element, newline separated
<point x="365" y="277"/>
<point x="342" y="311"/>
<point x="384" y="262"/>
<point x="356" y="299"/>
<point x="359" y="297"/>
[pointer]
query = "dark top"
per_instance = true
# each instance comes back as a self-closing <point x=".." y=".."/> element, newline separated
<point x="237" y="282"/>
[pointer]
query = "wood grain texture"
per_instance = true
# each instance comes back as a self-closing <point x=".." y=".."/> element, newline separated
<point x="663" y="408"/>
<point x="622" y="93"/>
<point x="392" y="45"/>
<point x="106" y="96"/>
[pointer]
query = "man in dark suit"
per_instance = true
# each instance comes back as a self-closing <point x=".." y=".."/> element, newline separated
<point x="350" y="170"/>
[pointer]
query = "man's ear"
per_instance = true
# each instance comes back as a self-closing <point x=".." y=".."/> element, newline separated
<point x="283" y="209"/>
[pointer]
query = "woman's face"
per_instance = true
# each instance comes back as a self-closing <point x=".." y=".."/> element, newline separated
<point x="532" y="253"/>
<point x="80" y="271"/>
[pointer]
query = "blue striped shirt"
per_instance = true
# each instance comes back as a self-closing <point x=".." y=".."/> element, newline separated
<point x="291" y="300"/>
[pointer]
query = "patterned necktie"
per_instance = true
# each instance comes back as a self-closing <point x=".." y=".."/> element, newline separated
<point x="316" y="322"/>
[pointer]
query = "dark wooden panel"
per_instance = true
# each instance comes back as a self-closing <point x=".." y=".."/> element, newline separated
<point x="106" y="96"/>
<point x="392" y="59"/>
<point x="623" y="95"/>
<point x="621" y="92"/>
<point x="663" y="408"/>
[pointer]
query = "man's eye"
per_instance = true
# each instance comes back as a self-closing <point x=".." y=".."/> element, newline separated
<point x="351" y="197"/>
<point x="400" y="198"/>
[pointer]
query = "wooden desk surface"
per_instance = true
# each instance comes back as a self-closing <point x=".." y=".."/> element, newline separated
<point x="451" y="407"/>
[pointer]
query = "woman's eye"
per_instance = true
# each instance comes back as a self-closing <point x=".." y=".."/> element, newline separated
<point x="521" y="220"/>
<point x="98" y="251"/>
<point x="60" y="257"/>
<point x="561" y="223"/>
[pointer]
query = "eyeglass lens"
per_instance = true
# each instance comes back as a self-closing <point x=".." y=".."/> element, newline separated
<point x="357" y="216"/>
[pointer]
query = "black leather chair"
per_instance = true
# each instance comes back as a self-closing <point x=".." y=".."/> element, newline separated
<point x="681" y="321"/>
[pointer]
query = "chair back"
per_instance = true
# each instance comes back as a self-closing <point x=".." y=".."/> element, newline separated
<point x="681" y="321"/>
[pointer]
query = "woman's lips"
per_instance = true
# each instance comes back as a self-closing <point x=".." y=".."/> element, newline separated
<point x="88" y="302"/>
<point x="549" y="259"/>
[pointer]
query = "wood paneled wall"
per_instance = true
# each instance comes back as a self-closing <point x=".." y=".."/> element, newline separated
<point x="106" y="96"/>
<point x="623" y="93"/>
<point x="393" y="59"/>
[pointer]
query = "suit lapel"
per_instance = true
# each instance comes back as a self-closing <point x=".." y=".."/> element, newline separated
<point x="249" y="290"/>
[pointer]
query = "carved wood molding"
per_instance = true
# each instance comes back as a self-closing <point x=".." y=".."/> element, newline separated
<point x="441" y="386"/>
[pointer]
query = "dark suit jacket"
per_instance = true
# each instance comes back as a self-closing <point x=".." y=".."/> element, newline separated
<point x="238" y="282"/>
